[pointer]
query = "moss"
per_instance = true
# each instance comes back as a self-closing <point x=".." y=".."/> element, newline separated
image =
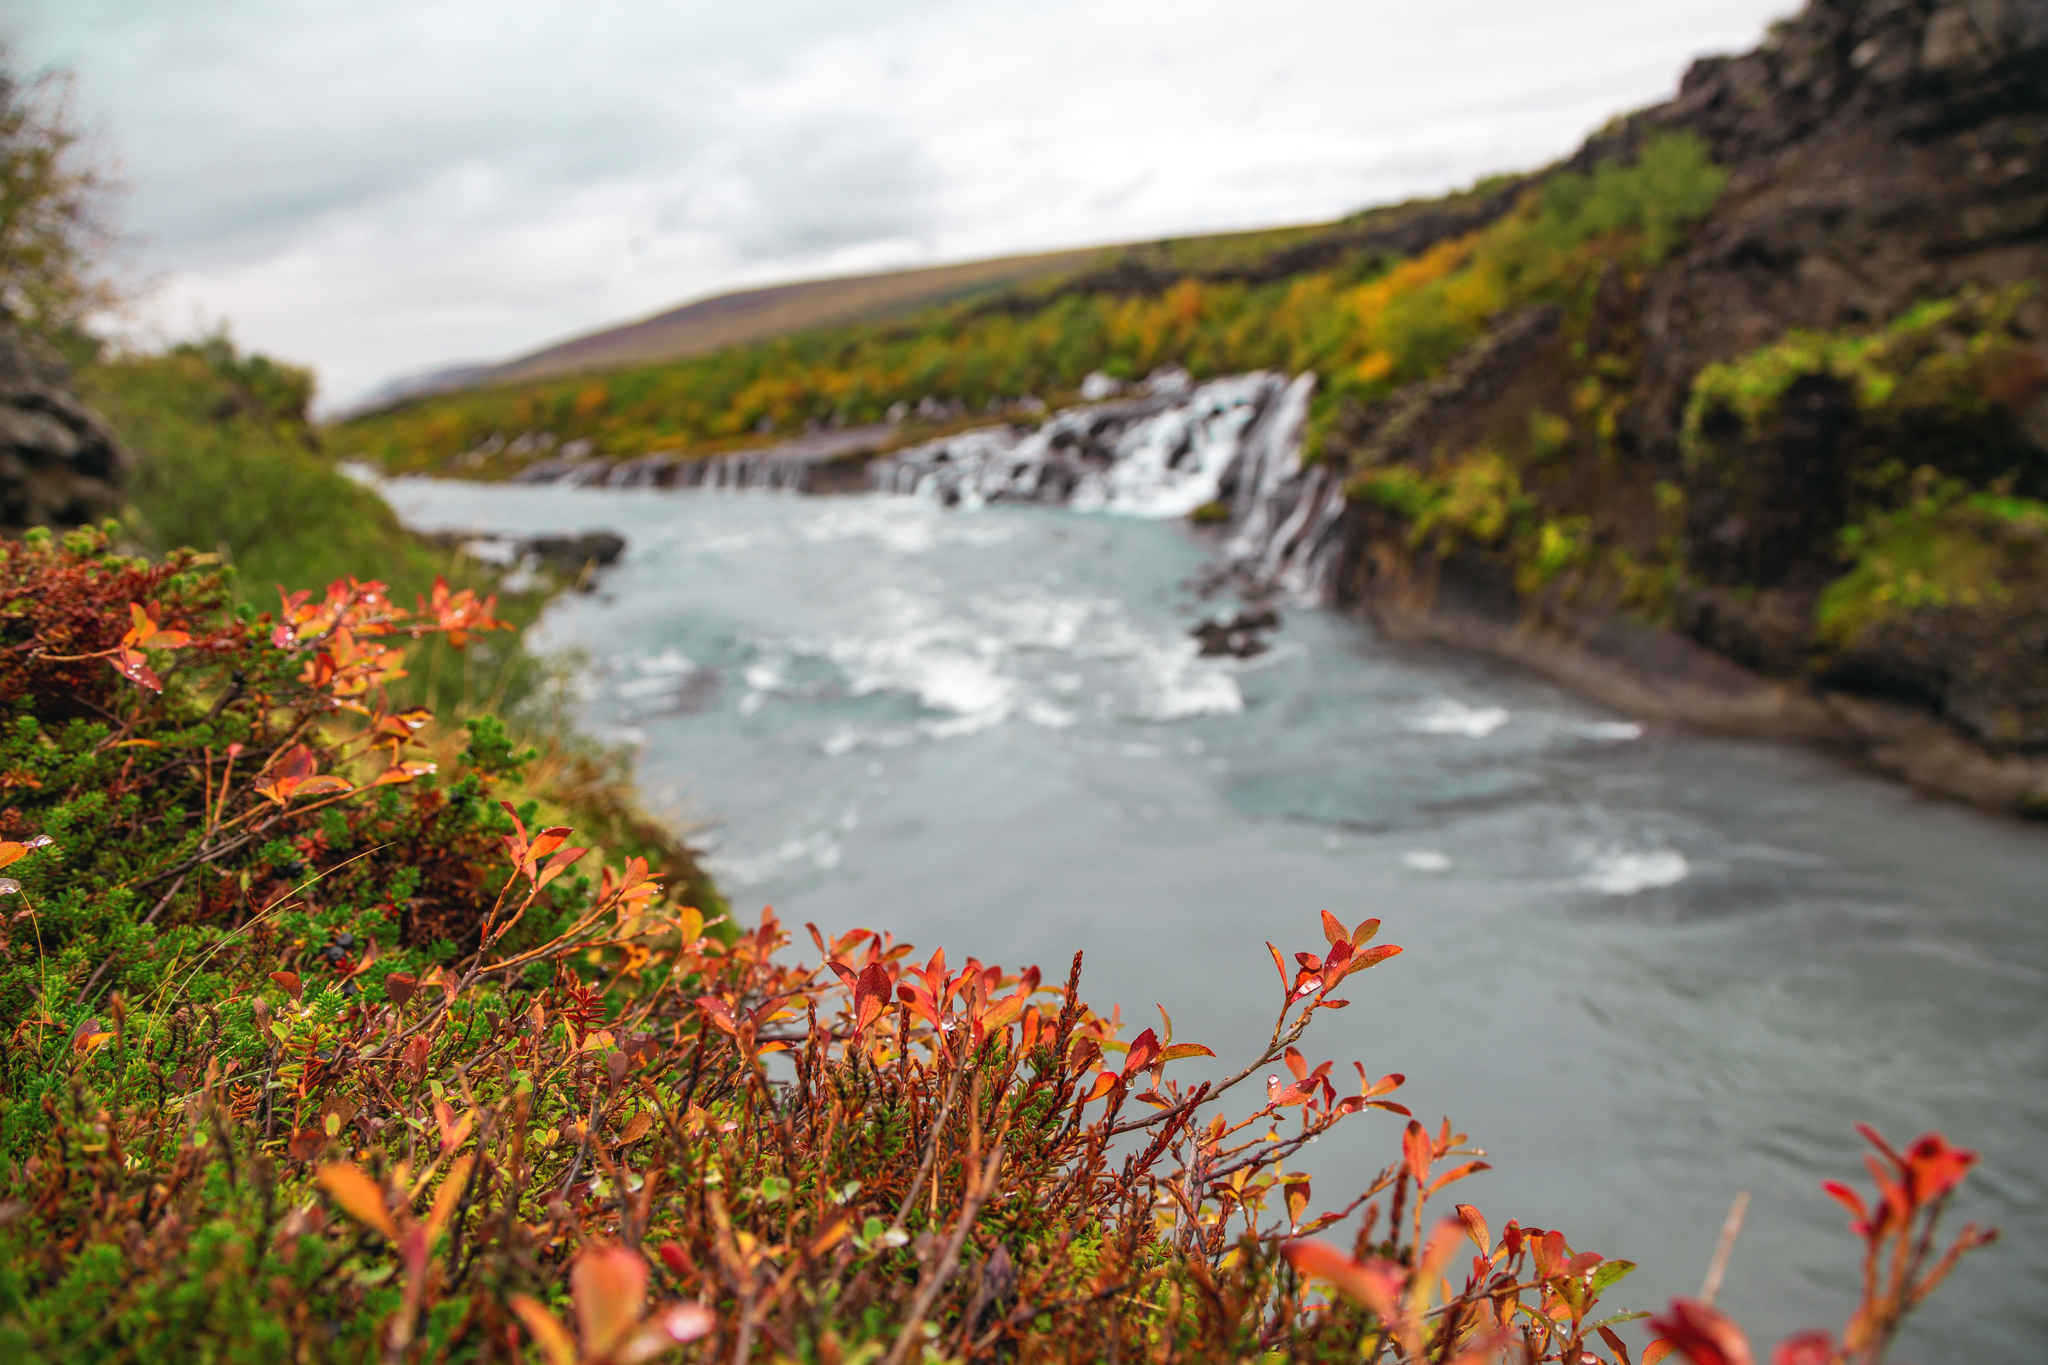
<point x="1951" y="355"/>
<point x="1558" y="544"/>
<point x="1549" y="433"/>
<point x="1213" y="513"/>
<point x="1473" y="499"/>
<point x="1943" y="550"/>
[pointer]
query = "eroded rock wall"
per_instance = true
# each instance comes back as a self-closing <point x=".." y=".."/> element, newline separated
<point x="60" y="464"/>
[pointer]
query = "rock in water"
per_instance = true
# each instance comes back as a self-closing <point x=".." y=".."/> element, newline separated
<point x="60" y="464"/>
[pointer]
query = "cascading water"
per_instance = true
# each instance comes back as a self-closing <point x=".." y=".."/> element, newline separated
<point x="1234" y="441"/>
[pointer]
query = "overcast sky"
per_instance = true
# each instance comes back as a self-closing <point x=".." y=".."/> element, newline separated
<point x="376" y="187"/>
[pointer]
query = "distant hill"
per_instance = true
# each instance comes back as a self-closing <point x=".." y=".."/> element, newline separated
<point x="747" y="315"/>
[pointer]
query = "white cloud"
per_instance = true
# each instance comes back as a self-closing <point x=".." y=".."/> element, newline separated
<point x="376" y="186"/>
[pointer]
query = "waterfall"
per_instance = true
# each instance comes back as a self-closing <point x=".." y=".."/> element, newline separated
<point x="1231" y="445"/>
<point x="791" y="466"/>
<point x="1234" y="441"/>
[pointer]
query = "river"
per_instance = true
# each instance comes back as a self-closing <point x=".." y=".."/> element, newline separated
<point x="1644" y="969"/>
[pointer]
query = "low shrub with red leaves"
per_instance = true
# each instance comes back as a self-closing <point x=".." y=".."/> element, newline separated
<point x="315" y="1053"/>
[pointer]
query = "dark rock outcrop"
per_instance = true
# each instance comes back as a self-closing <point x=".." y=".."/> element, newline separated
<point x="60" y="464"/>
<point x="1881" y="154"/>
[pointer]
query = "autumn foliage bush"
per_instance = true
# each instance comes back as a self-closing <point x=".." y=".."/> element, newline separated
<point x="314" y="1053"/>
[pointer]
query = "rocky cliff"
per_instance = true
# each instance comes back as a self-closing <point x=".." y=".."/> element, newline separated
<point x="60" y="464"/>
<point x="1790" y="481"/>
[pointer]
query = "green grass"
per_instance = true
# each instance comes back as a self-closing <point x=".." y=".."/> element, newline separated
<point x="225" y="465"/>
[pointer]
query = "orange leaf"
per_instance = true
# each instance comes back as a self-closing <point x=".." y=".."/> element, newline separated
<point x="1333" y="929"/>
<point x="1657" y="1350"/>
<point x="1363" y="934"/>
<point x="1416" y="1149"/>
<point x="1476" y="1229"/>
<point x="288" y="982"/>
<point x="1004" y="1013"/>
<point x="1458" y="1173"/>
<point x="317" y="786"/>
<point x="834" y="1233"/>
<point x="609" y="1288"/>
<point x="1376" y="1286"/>
<point x="1371" y="957"/>
<point x="360" y="1195"/>
<point x="1180" y="1050"/>
<point x="544" y="843"/>
<point x="718" y="1013"/>
<point x="557" y="865"/>
<point x="547" y="1331"/>
<point x="1297" y="1193"/>
<point x="295" y="762"/>
<point x="403" y="772"/>
<point x="449" y="1196"/>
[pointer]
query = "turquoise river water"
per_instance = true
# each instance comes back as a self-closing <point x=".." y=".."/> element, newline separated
<point x="1644" y="969"/>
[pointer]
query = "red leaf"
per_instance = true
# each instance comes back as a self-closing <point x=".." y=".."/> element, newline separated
<point x="1372" y="957"/>
<point x="1376" y="1285"/>
<point x="1333" y="930"/>
<point x="1705" y="1336"/>
<point x="1475" y="1228"/>
<point x="1144" y="1048"/>
<point x="1416" y="1148"/>
<point x="295" y="762"/>
<point x="608" y="1285"/>
<point x="1852" y="1201"/>
<point x="1279" y="965"/>
<point x="557" y="865"/>
<point x="1458" y="1173"/>
<point x="1811" y="1347"/>
<point x="718" y="1013"/>
<point x="399" y="987"/>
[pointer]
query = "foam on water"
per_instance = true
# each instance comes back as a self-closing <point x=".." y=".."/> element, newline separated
<point x="1625" y="872"/>
<point x="1448" y="717"/>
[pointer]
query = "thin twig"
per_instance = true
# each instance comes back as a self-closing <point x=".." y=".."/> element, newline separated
<point x="1730" y="1230"/>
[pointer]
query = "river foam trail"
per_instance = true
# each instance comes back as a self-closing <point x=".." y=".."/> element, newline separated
<point x="1644" y="970"/>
